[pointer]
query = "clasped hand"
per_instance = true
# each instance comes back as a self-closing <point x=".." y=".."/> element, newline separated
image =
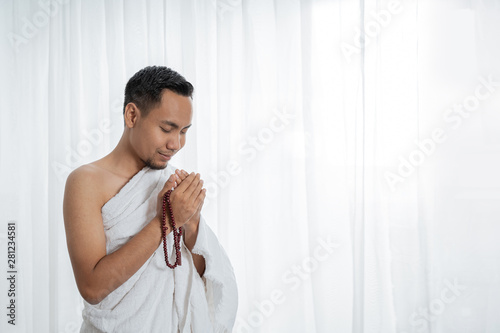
<point x="186" y="199"/>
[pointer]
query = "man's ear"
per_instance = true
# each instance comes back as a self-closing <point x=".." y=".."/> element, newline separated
<point x="131" y="115"/>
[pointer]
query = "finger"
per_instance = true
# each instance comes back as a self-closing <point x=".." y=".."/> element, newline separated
<point x="177" y="176"/>
<point x="200" y="199"/>
<point x="197" y="190"/>
<point x="168" y="184"/>
<point x="198" y="209"/>
<point x="184" y="185"/>
<point x="190" y="191"/>
<point x="182" y="174"/>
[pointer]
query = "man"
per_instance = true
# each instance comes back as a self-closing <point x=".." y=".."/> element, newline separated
<point x="112" y="215"/>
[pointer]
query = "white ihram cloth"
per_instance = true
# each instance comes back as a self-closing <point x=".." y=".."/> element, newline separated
<point x="157" y="298"/>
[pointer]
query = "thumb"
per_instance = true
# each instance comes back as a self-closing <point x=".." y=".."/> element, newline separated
<point x="169" y="184"/>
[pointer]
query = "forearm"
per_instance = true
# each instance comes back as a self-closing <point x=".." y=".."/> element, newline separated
<point x="115" y="268"/>
<point x="190" y="235"/>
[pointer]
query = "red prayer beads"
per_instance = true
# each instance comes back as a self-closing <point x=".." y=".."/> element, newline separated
<point x="177" y="233"/>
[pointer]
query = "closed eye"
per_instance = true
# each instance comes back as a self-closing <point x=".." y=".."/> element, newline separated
<point x="164" y="130"/>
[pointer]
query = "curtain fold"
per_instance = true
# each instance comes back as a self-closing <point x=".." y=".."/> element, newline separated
<point x="349" y="150"/>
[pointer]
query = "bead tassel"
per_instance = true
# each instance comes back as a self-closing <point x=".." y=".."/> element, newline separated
<point x="177" y="233"/>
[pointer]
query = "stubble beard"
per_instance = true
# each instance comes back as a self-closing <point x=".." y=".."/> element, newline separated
<point x="149" y="163"/>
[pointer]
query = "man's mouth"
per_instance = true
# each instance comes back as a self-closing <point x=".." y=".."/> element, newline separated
<point x="166" y="157"/>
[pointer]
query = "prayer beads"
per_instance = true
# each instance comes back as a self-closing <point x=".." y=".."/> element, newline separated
<point x="177" y="232"/>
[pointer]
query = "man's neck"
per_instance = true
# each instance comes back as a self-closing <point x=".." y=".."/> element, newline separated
<point x="122" y="160"/>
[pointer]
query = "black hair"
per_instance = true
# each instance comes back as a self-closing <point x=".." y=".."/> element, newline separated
<point x="145" y="88"/>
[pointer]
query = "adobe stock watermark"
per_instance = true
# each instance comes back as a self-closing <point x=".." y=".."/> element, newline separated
<point x="248" y="150"/>
<point x="454" y="115"/>
<point x="292" y="278"/>
<point x="373" y="28"/>
<point x="423" y="316"/>
<point x="76" y="155"/>
<point x="39" y="20"/>
<point x="224" y="6"/>
<point x="91" y="139"/>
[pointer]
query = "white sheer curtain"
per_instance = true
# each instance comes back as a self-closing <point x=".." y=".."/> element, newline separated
<point x="350" y="151"/>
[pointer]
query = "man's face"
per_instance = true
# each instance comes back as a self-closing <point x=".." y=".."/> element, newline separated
<point x="162" y="133"/>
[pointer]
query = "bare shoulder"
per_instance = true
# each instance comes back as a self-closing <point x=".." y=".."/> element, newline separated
<point x="82" y="201"/>
<point x="85" y="174"/>
<point x="96" y="183"/>
<point x="85" y="181"/>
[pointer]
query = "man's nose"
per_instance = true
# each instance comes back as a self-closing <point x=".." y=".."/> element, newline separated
<point x="174" y="143"/>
